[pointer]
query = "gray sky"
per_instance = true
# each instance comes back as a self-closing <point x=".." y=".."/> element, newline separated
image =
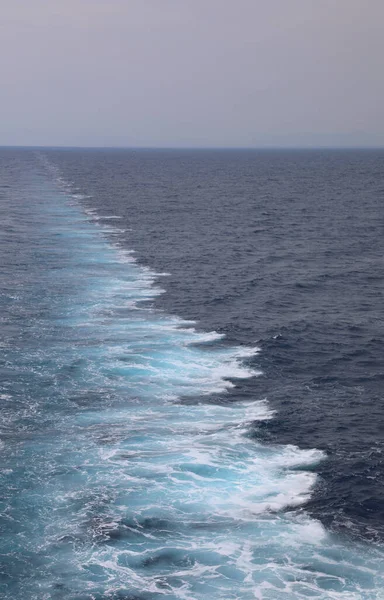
<point x="192" y="72"/>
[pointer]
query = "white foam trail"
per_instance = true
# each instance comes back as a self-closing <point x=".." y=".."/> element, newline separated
<point x="159" y="487"/>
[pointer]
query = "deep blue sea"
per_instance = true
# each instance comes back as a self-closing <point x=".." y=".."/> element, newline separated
<point x="192" y="374"/>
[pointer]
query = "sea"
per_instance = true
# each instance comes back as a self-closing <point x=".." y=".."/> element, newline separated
<point x="192" y="374"/>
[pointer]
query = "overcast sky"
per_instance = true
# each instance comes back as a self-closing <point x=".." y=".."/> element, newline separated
<point x="192" y="72"/>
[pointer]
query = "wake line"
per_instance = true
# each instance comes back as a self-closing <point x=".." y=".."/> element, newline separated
<point x="151" y="496"/>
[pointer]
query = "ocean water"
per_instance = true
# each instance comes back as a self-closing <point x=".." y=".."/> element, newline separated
<point x="191" y="375"/>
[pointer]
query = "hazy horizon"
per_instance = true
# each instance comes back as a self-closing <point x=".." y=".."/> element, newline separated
<point x="223" y="148"/>
<point x="192" y="74"/>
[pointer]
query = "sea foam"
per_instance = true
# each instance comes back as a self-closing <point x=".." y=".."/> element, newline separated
<point x="148" y="481"/>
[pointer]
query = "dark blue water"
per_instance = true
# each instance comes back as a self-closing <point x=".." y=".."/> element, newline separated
<point x="222" y="439"/>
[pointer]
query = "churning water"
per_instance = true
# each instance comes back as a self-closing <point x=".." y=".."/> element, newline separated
<point x="131" y="467"/>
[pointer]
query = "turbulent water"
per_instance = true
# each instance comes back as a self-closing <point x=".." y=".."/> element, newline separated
<point x="145" y="454"/>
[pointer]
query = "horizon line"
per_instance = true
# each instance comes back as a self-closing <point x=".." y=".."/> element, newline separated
<point x="267" y="147"/>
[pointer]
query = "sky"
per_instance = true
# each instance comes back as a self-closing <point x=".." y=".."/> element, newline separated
<point x="192" y="73"/>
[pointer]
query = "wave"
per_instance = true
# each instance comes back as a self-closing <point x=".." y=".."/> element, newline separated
<point x="156" y="484"/>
